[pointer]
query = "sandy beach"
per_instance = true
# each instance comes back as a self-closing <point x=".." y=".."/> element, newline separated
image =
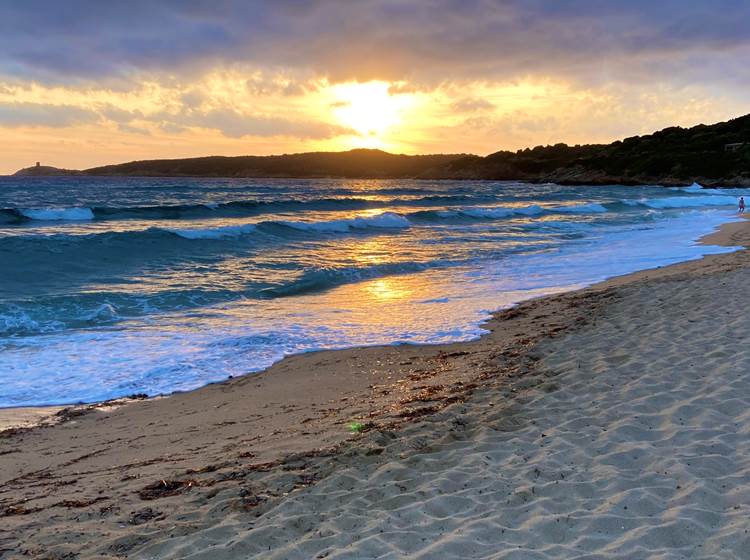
<point x="611" y="422"/>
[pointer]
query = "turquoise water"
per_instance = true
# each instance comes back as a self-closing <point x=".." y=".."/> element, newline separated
<point x="118" y="286"/>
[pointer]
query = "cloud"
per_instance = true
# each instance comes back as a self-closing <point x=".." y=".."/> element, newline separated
<point x="119" y="115"/>
<point x="266" y="85"/>
<point x="421" y="41"/>
<point x="234" y="124"/>
<point x="13" y="115"/>
<point x="192" y="99"/>
<point x="231" y="123"/>
<point x="129" y="129"/>
<point x="472" y="105"/>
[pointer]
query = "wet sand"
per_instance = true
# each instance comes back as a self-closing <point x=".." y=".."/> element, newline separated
<point x="609" y="422"/>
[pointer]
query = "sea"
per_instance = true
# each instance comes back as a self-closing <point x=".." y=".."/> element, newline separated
<point x="116" y="286"/>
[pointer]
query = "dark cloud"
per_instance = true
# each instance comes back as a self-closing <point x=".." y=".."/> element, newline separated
<point x="36" y="114"/>
<point x="192" y="99"/>
<point x="263" y="85"/>
<point x="424" y="41"/>
<point x="230" y="123"/>
<point x="236" y="125"/>
<point x="118" y="115"/>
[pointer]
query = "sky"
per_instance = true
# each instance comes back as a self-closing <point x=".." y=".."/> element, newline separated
<point x="86" y="83"/>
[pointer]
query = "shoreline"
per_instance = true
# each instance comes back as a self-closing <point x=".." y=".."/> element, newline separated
<point x="24" y="417"/>
<point x="707" y="184"/>
<point x="118" y="481"/>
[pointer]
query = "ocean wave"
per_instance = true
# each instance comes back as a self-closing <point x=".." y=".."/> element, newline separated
<point x="320" y="279"/>
<point x="533" y="210"/>
<point x="217" y="229"/>
<point x="492" y="213"/>
<point x="213" y="233"/>
<point x="17" y="321"/>
<point x="694" y="188"/>
<point x="385" y="220"/>
<point x="686" y="201"/>
<point x="31" y="318"/>
<point x="592" y="208"/>
<point x="237" y="208"/>
<point x="501" y="212"/>
<point x="47" y="315"/>
<point x="57" y="214"/>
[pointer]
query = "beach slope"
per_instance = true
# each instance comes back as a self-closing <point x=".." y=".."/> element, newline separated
<point x="607" y="423"/>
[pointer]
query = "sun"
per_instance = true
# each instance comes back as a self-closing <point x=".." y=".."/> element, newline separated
<point x="369" y="109"/>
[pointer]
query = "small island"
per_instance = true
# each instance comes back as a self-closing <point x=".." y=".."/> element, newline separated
<point x="40" y="170"/>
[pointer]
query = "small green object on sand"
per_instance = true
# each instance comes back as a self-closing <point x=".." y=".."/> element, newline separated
<point x="357" y="427"/>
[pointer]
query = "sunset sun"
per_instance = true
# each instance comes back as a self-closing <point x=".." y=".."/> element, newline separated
<point x="369" y="110"/>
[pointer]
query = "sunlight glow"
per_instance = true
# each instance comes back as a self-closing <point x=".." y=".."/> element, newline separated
<point x="369" y="109"/>
<point x="386" y="289"/>
<point x="243" y="111"/>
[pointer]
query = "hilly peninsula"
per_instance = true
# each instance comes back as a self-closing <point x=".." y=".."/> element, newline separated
<point x="717" y="154"/>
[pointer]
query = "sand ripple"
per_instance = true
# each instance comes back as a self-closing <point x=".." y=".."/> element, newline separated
<point x="633" y="444"/>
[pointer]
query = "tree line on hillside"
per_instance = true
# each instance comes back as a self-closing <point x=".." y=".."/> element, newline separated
<point x="713" y="153"/>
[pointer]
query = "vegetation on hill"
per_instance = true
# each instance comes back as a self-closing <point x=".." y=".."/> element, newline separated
<point x="674" y="155"/>
<point x="44" y="171"/>
<point x="351" y="164"/>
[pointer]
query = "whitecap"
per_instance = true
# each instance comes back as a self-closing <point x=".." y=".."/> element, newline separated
<point x="384" y="220"/>
<point x="213" y="233"/>
<point x="592" y="208"/>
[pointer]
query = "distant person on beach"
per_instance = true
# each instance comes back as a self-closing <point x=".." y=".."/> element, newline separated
<point x="742" y="205"/>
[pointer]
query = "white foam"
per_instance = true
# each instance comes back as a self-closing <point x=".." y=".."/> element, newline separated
<point x="104" y="312"/>
<point x="16" y="320"/>
<point x="213" y="233"/>
<point x="498" y="212"/>
<point x="532" y="210"/>
<point x="689" y="201"/>
<point x="695" y="187"/>
<point x="384" y="220"/>
<point x="494" y="212"/>
<point x="581" y="209"/>
<point x="57" y="214"/>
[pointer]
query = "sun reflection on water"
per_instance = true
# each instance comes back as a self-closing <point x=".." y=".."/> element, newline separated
<point x="388" y="289"/>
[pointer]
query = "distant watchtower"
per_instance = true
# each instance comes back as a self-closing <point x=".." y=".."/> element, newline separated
<point x="38" y="164"/>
